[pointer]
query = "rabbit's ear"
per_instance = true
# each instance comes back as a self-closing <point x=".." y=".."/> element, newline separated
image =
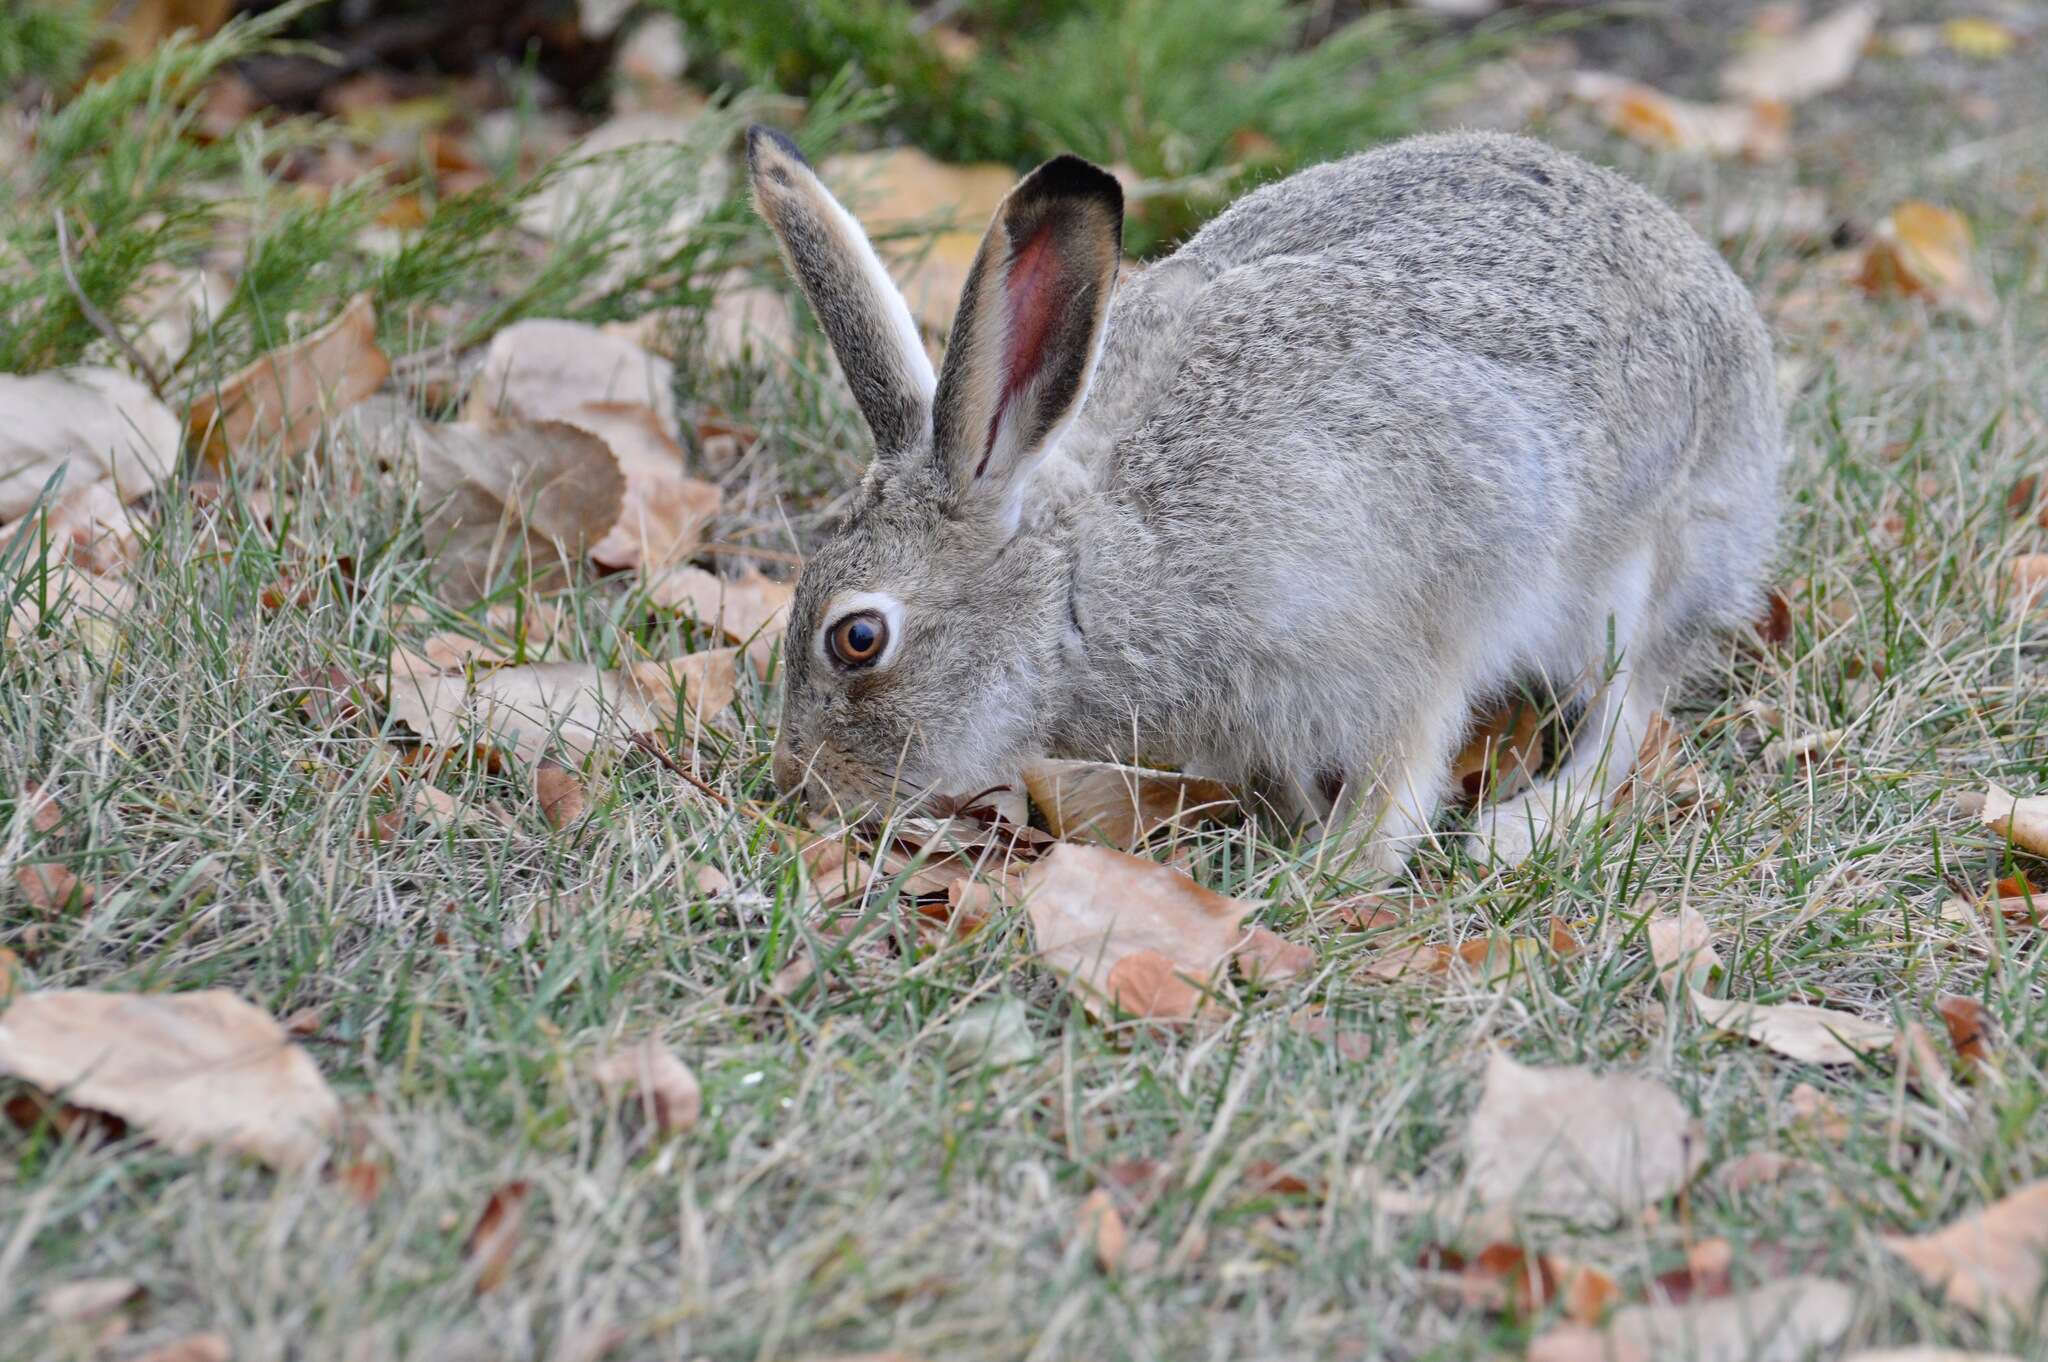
<point x="1029" y="328"/>
<point x="860" y="309"/>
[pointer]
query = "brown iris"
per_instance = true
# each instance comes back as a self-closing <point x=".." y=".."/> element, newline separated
<point x="858" y="640"/>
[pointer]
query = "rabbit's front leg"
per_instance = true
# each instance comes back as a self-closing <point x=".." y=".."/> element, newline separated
<point x="1385" y="814"/>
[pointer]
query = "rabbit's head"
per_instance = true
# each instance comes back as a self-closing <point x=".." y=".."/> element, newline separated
<point x="926" y="633"/>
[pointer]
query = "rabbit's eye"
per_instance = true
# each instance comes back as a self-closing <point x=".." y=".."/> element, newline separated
<point x="858" y="640"/>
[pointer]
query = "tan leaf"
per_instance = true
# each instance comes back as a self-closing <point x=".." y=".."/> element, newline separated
<point x="85" y="525"/>
<point x="1148" y="984"/>
<point x="752" y="609"/>
<point x="191" y="1069"/>
<point x="1102" y="1227"/>
<point x="1117" y="805"/>
<point x="497" y="1234"/>
<point x="45" y="814"/>
<point x="1267" y="958"/>
<point x="1817" y="59"/>
<point x="1801" y="1031"/>
<point x="1683" y="945"/>
<point x="1922" y="250"/>
<point x="664" y="511"/>
<point x="1503" y="754"/>
<point x="10" y="973"/>
<point x="1091" y="907"/>
<point x="663" y="1084"/>
<point x="2028" y="573"/>
<point x="1816" y="1114"/>
<point x="1995" y="1257"/>
<point x="2023" y="820"/>
<point x="542" y="370"/>
<point x="1804" y="749"/>
<point x="1316" y="1024"/>
<point x="211" y="1346"/>
<point x="288" y="394"/>
<point x="1642" y="113"/>
<point x="525" y="709"/>
<point x="1783" y="1321"/>
<point x="88" y="1298"/>
<point x="1757" y="1168"/>
<point x="1572" y="1143"/>
<point x="99" y="604"/>
<point x="1969" y="1028"/>
<point x="99" y="425"/>
<point x="50" y="887"/>
<point x="562" y="800"/>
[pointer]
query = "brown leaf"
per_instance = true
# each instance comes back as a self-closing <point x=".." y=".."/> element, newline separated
<point x="288" y="394"/>
<point x="1783" y="1321"/>
<point x="752" y="609"/>
<point x="496" y="1237"/>
<point x="1642" y="113"/>
<point x="524" y="710"/>
<point x="50" y="887"/>
<point x="1118" y="805"/>
<point x="1969" y="1028"/>
<point x="1774" y="626"/>
<point x="1704" y="1276"/>
<point x="210" y="1346"/>
<point x="1099" y="1223"/>
<point x="1312" y="1021"/>
<point x="664" y="511"/>
<point x="1266" y="958"/>
<point x="562" y="801"/>
<point x="1995" y="1257"/>
<point x="546" y="370"/>
<point x="10" y="973"/>
<point x="1503" y="754"/>
<point x="191" y="1069"/>
<point x="45" y="814"/>
<point x="664" y="1085"/>
<point x="2028" y="573"/>
<point x="1092" y="907"/>
<point x="1813" y="61"/>
<point x="1364" y="913"/>
<point x="1815" y="1113"/>
<point x="98" y="425"/>
<point x="1922" y="250"/>
<point x="1756" y="1169"/>
<point x="1572" y="1143"/>
<point x="2023" y="820"/>
<point x="88" y="1298"/>
<point x="1148" y="984"/>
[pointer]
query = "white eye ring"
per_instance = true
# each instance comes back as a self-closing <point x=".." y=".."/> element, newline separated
<point x="861" y="603"/>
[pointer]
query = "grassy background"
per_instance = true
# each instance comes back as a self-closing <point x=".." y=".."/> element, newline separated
<point x="855" y="1182"/>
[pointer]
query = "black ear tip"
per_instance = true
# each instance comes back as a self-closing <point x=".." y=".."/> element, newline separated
<point x="760" y="135"/>
<point x="1067" y="175"/>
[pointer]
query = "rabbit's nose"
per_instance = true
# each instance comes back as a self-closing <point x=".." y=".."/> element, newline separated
<point x="787" y="770"/>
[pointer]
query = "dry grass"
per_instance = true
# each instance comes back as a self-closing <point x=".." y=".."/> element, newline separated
<point x="849" y="1188"/>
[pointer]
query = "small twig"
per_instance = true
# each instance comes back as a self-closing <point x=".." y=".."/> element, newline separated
<point x="100" y="321"/>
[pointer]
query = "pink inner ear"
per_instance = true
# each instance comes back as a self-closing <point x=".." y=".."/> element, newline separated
<point x="1033" y="296"/>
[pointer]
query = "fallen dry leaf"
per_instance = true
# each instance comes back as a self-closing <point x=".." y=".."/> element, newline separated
<point x="1995" y="1257"/>
<point x="1492" y="959"/>
<point x="1572" y="1143"/>
<point x="524" y="709"/>
<point x="543" y="370"/>
<point x="1642" y="113"/>
<point x="1101" y="1226"/>
<point x="1316" y="1024"/>
<point x="2023" y="821"/>
<point x="88" y="1298"/>
<point x="663" y="511"/>
<point x="1118" y="805"/>
<point x="1969" y="1029"/>
<point x="51" y="887"/>
<point x="1819" y="58"/>
<point x="1503" y="754"/>
<point x="752" y="609"/>
<point x="85" y="526"/>
<point x="562" y="800"/>
<point x="191" y="1069"/>
<point x="1780" y="1322"/>
<point x="663" y="1084"/>
<point x="2028" y="573"/>
<point x="1804" y="749"/>
<point x="210" y="1346"/>
<point x="10" y="973"/>
<point x="1683" y="945"/>
<point x="99" y="425"/>
<point x="94" y="605"/>
<point x="1093" y="908"/>
<point x="1267" y="958"/>
<point x="497" y="1234"/>
<point x="288" y="394"/>
<point x="1815" y="1114"/>
<point x="1757" y="1168"/>
<point x="1922" y="250"/>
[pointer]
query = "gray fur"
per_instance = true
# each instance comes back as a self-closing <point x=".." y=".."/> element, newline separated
<point x="1382" y="440"/>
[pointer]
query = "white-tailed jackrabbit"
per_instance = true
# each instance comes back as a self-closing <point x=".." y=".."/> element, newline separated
<point x="1383" y="441"/>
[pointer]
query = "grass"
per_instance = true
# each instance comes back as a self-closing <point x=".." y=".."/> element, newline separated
<point x="853" y="1185"/>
